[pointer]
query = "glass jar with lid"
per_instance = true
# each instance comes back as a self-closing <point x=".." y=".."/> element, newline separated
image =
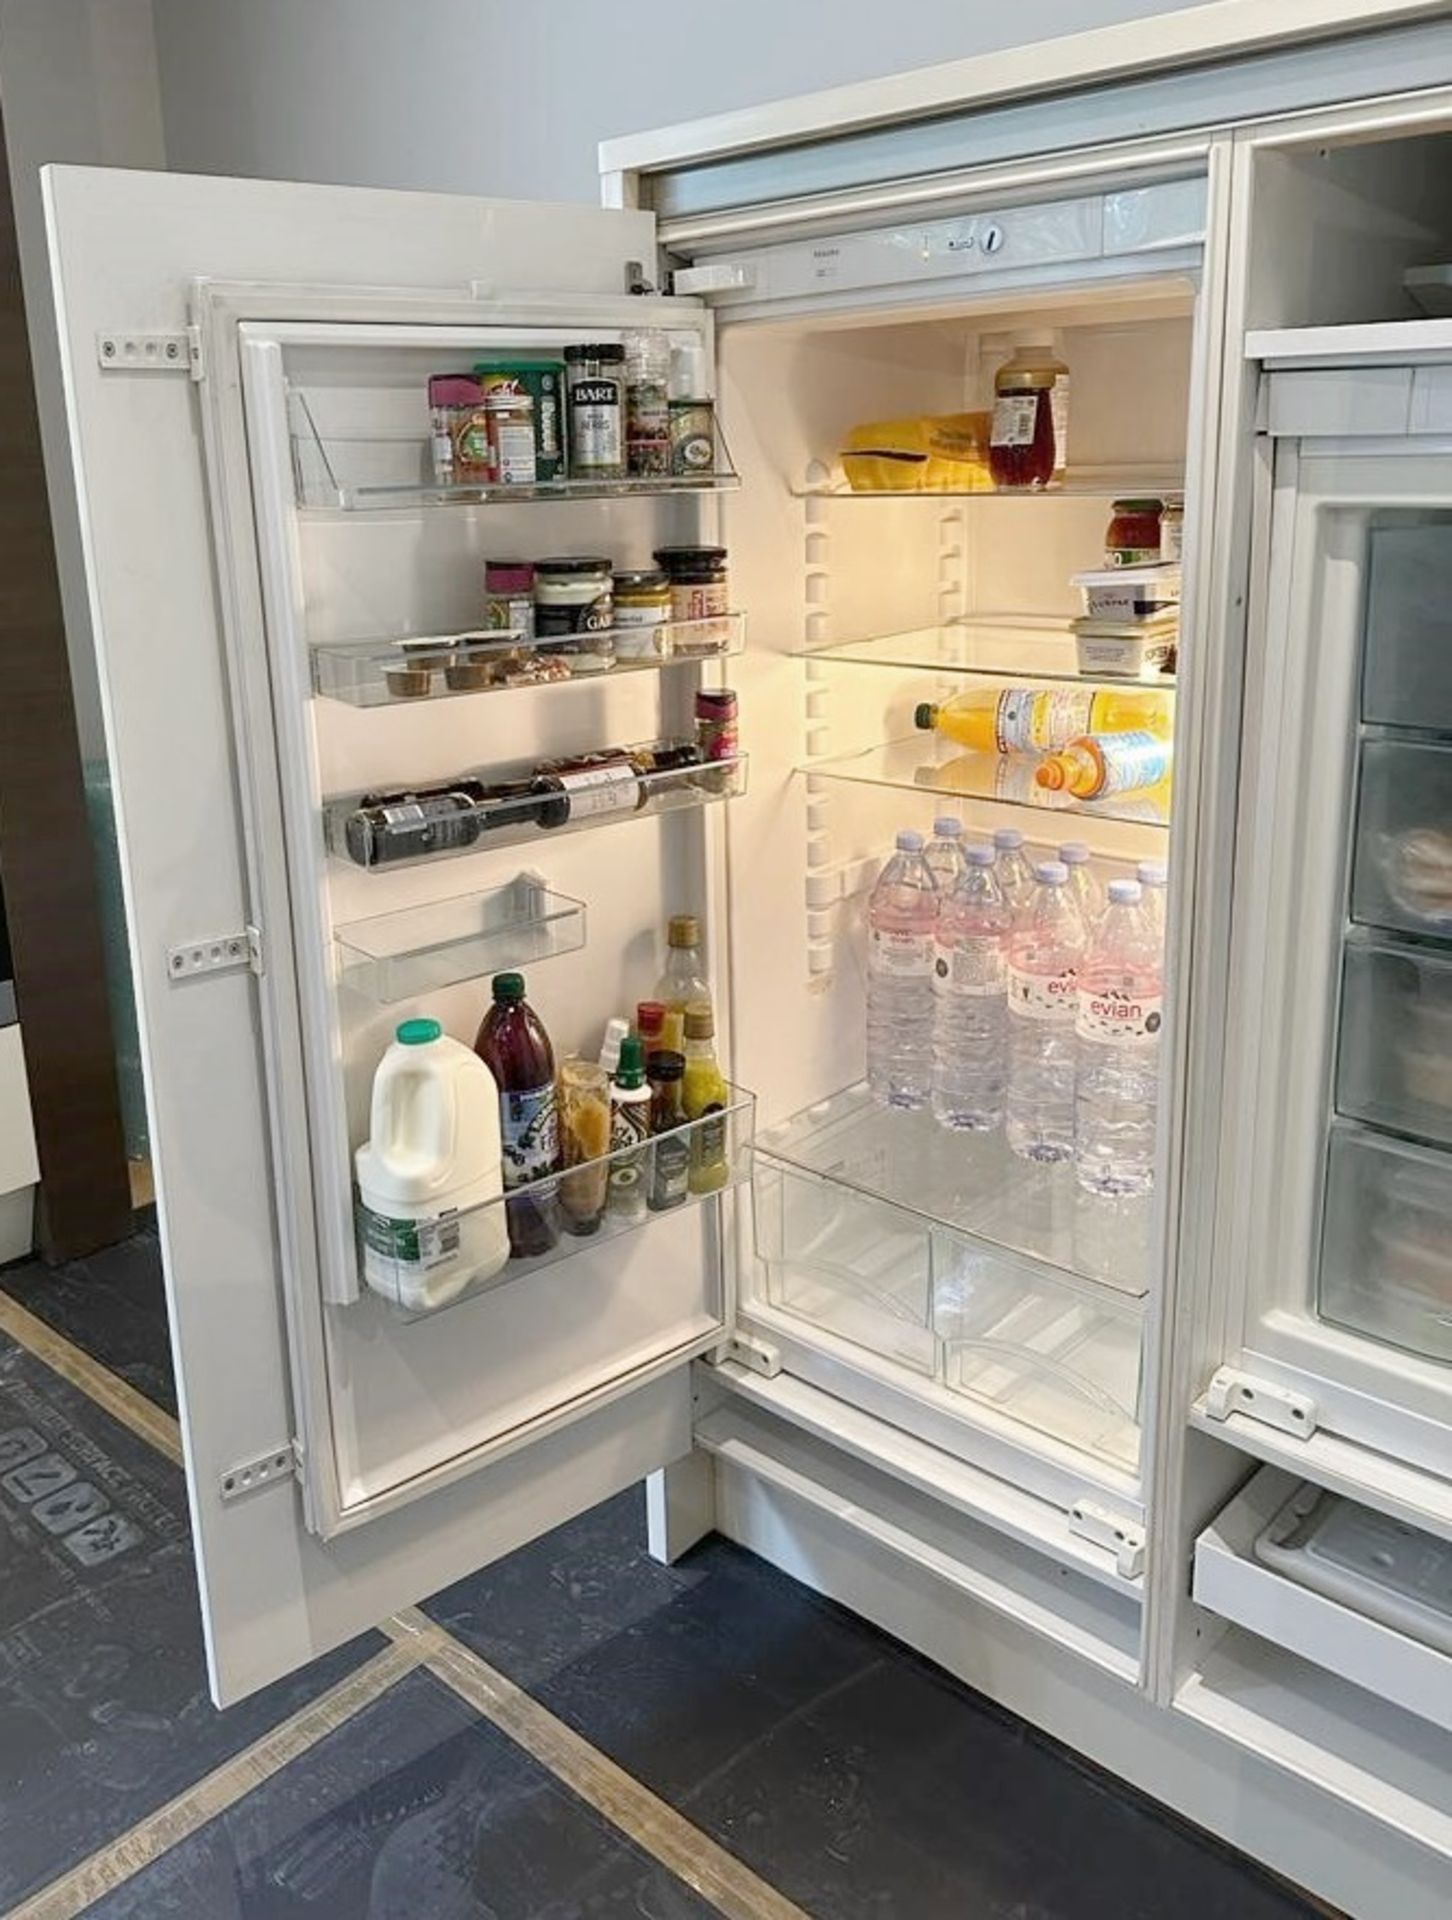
<point x="574" y="610"/>
<point x="642" y="614"/>
<point x="700" y="593"/>
<point x="1021" y="443"/>
<point x="1132" y="538"/>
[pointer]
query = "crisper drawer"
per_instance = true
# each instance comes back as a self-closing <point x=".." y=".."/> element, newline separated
<point x="1394" y="1061"/>
<point x="1386" y="1241"/>
<point x="1402" y="874"/>
<point x="1407" y="675"/>
<point x="1350" y="1589"/>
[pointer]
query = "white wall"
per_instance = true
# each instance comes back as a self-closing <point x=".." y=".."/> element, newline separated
<point x="511" y="98"/>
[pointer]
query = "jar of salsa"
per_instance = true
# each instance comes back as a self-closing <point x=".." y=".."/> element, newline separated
<point x="1132" y="538"/>
<point x="1021" y="443"/>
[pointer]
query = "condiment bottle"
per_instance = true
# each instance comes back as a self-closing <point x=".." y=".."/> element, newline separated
<point x="649" y="1020"/>
<point x="514" y="1046"/>
<point x="704" y="1091"/>
<point x="584" y="1105"/>
<point x="683" y="982"/>
<point x="692" y="413"/>
<point x="630" y="1100"/>
<point x="670" y="1153"/>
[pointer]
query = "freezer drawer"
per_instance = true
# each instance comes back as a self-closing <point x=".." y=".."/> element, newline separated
<point x="1386" y="1241"/>
<point x="1402" y="873"/>
<point x="1394" y="1062"/>
<point x="1352" y="1590"/>
<point x="1407" y="677"/>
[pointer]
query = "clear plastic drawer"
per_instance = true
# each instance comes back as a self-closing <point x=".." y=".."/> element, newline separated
<point x="1403" y="861"/>
<point x="1407" y="677"/>
<point x="1394" y="1065"/>
<point x="1386" y="1241"/>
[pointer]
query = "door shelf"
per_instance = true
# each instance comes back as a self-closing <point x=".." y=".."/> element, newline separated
<point x="511" y="818"/>
<point x="926" y="764"/>
<point x="573" y="1212"/>
<point x="1005" y="649"/>
<point x="1366" y="1597"/>
<point x="1394" y="1061"/>
<point x="372" y="673"/>
<point x="422" y="950"/>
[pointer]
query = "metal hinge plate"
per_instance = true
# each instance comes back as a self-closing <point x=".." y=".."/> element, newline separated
<point x="761" y="1356"/>
<point x="1091" y="1520"/>
<point x="152" y="352"/>
<point x="263" y="1470"/>
<point x="1263" y="1400"/>
<point x="221" y="953"/>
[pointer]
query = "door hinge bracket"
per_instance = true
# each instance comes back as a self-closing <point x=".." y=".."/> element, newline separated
<point x="263" y="1470"/>
<point x="221" y="953"/>
<point x="1263" y="1400"/>
<point x="1092" y="1520"/>
<point x="152" y="352"/>
<point x="760" y="1356"/>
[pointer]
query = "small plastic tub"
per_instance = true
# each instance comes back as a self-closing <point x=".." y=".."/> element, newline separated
<point x="1128" y="593"/>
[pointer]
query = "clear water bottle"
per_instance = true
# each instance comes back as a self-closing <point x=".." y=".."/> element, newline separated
<point x="1154" y="880"/>
<point x="944" y="852"/>
<point x="1117" y="1029"/>
<point x="902" y="918"/>
<point x="1015" y="874"/>
<point x="1045" y="952"/>
<point x="1075" y="855"/>
<point x="970" y="998"/>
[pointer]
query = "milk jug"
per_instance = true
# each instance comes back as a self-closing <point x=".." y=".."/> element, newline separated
<point x="431" y="1162"/>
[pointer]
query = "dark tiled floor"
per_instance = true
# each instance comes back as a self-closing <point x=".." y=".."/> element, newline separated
<point x="416" y="1810"/>
<point x="104" y="1713"/>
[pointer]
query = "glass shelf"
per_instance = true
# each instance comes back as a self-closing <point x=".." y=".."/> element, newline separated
<point x="386" y="495"/>
<point x="421" y="950"/>
<point x="1001" y="649"/>
<point x="926" y="763"/>
<point x="1090" y="483"/>
<point x="381" y="837"/>
<point x="573" y="1212"/>
<point x="380" y="673"/>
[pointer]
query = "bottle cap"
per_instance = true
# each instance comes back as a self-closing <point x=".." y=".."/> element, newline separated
<point x="924" y="715"/>
<point x="508" y="988"/>
<point x="1074" y="853"/>
<point x="1050" y="772"/>
<point x="615" y="1031"/>
<point x="649" y="1019"/>
<point x="979" y="854"/>
<point x="1051" y="873"/>
<point x="700" y="1021"/>
<point x="1008" y="839"/>
<point x="947" y="826"/>
<point x="684" y="930"/>
<point x="666" y="1065"/>
<point x="1124" y="893"/>
<point x="673" y="1030"/>
<point x="909" y="841"/>
<point x="1152" y="873"/>
<point x="630" y="1071"/>
<point x="605" y="350"/>
<point x="417" y="1033"/>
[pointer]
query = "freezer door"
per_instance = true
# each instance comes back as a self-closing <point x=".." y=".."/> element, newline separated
<point x="1336" y="1241"/>
<point x="424" y="1450"/>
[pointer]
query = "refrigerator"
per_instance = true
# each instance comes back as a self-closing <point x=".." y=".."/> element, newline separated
<point x="1024" y="1427"/>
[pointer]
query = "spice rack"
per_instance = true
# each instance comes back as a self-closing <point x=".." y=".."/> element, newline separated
<point x="421" y="950"/>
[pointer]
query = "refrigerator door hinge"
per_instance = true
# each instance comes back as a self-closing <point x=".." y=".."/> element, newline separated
<point x="1092" y="1520"/>
<point x="219" y="953"/>
<point x="761" y="1356"/>
<point x="263" y="1470"/>
<point x="1263" y="1400"/>
<point x="152" y="352"/>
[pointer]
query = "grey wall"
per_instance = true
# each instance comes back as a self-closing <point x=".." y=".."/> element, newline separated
<point x="510" y="97"/>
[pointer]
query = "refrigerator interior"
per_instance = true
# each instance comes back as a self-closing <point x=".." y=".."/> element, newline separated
<point x="982" y="1286"/>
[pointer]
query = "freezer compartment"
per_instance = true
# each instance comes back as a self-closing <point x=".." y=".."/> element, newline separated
<point x="441" y="822"/>
<point x="443" y="943"/>
<point x="1407" y="675"/>
<point x="1394" y="1065"/>
<point x="424" y="1266"/>
<point x="381" y="673"/>
<point x="1366" y="1597"/>
<point x="1386" y="1241"/>
<point x="1402" y="865"/>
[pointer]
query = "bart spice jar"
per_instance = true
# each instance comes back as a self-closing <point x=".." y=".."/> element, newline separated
<point x="700" y="592"/>
<point x="595" y="406"/>
<point x="574" y="611"/>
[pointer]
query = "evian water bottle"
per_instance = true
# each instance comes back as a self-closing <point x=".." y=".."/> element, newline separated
<point x="1015" y="872"/>
<point x="1045" y="952"/>
<point x="970" y="1013"/>
<point x="902" y="917"/>
<point x="944" y="852"/>
<point x="1118" y="1032"/>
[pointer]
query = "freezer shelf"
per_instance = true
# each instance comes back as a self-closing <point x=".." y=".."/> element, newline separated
<point x="351" y="831"/>
<point x="928" y="764"/>
<point x="1007" y="650"/>
<point x="1394" y="1066"/>
<point x="373" y="673"/>
<point x="1407" y="678"/>
<point x="462" y="1254"/>
<point x="421" y="950"/>
<point x="1402" y="866"/>
<point x="1386" y="1241"/>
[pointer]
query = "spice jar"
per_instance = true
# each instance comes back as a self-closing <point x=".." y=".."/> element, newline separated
<point x="595" y="401"/>
<point x="1172" y="529"/>
<point x="510" y="413"/>
<point x="642" y="615"/>
<point x="574" y="610"/>
<point x="1132" y="538"/>
<point x="647" y="405"/>
<point x="459" y="431"/>
<point x="699" y="591"/>
<point x="717" y="733"/>
<point x="509" y="597"/>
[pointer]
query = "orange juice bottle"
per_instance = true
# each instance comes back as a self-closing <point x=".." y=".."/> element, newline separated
<point x="1043" y="719"/>
<point x="1097" y="765"/>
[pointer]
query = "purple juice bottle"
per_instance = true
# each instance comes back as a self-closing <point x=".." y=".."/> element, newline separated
<point x="514" y="1046"/>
